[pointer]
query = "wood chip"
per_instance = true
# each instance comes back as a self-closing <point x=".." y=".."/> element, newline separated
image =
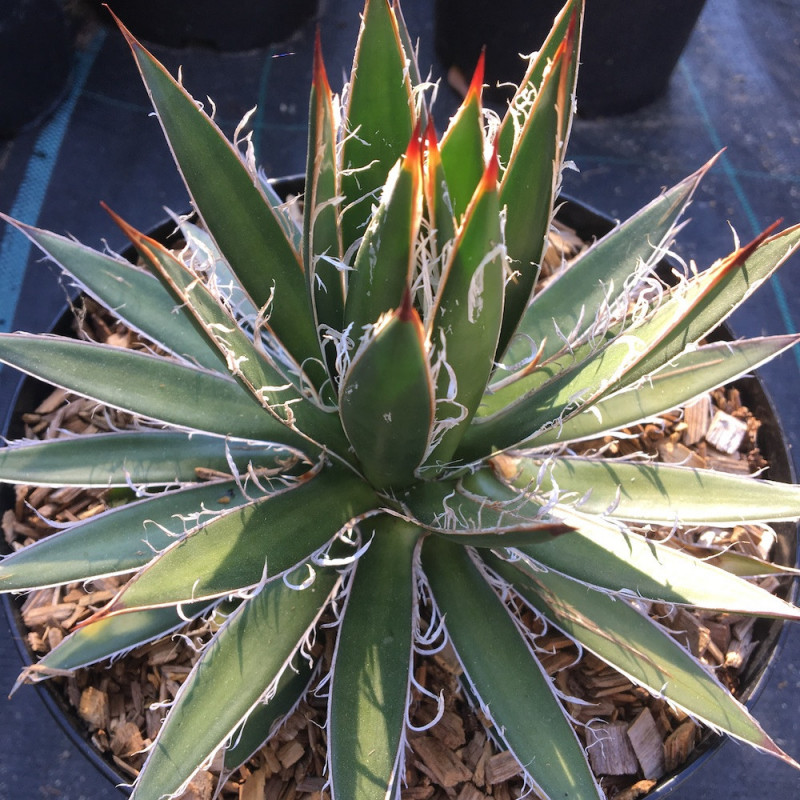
<point x="610" y="750"/>
<point x="470" y="792"/>
<point x="449" y="730"/>
<point x="501" y="767"/>
<point x="738" y="652"/>
<point x="677" y="453"/>
<point x="479" y="773"/>
<point x="645" y="738"/>
<point x="274" y="790"/>
<point x="502" y="792"/>
<point x="54" y="638"/>
<point x="127" y="739"/>
<point x="290" y="753"/>
<point x="678" y="745"/>
<point x="697" y="418"/>
<point x="638" y="790"/>
<point x="473" y="751"/>
<point x="419" y="792"/>
<point x="726" y="432"/>
<point x="444" y="766"/>
<point x="723" y="462"/>
<point x="691" y="632"/>
<point x="48" y="615"/>
<point x="153" y="718"/>
<point x="448" y="660"/>
<point x="93" y="707"/>
<point x="272" y="763"/>
<point x="254" y="785"/>
<point x="310" y="785"/>
<point x="52" y="402"/>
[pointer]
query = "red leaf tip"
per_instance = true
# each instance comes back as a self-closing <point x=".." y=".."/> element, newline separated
<point x="476" y="85"/>
<point x="414" y="149"/>
<point x="320" y="76"/>
<point x="406" y="311"/>
<point x="431" y="143"/>
<point x="492" y="168"/>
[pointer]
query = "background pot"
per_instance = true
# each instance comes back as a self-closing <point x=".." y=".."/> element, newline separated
<point x="588" y="224"/>
<point x="629" y="48"/>
<point x="219" y="24"/>
<point x="35" y="61"/>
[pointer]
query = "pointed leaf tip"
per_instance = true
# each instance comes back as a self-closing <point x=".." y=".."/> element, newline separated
<point x="431" y="140"/>
<point x="414" y="149"/>
<point x="572" y="28"/>
<point x="492" y="171"/>
<point x="320" y="75"/>
<point x="132" y="41"/>
<point x="432" y="151"/>
<point x="741" y="255"/>
<point x="136" y="236"/>
<point x="406" y="312"/>
<point x="476" y="85"/>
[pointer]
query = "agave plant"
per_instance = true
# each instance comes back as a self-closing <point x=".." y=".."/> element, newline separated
<point x="389" y="408"/>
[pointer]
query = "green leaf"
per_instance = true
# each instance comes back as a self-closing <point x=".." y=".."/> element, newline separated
<point x="134" y="296"/>
<point x="467" y="315"/>
<point x="410" y="50"/>
<point x="478" y="510"/>
<point x="370" y="685"/>
<point x="569" y="391"/>
<point x="514" y="691"/>
<point x="120" y="540"/>
<point x="247" y="363"/>
<point x="723" y="288"/>
<point x="206" y="249"/>
<point x="245" y="658"/>
<point x="742" y="565"/>
<point x="233" y="208"/>
<point x="686" y="315"/>
<point x="284" y="208"/>
<point x="685" y="378"/>
<point x="462" y="146"/>
<point x="599" y="275"/>
<point x="141" y="458"/>
<point x="379" y="116"/>
<point x="530" y="181"/>
<point x="214" y="322"/>
<point x="633" y="645"/>
<point x="385" y="258"/>
<point x="322" y="244"/>
<point x="254" y="543"/>
<point x="606" y="556"/>
<point x="265" y="717"/>
<point x="386" y="401"/>
<point x="441" y="223"/>
<point x="570" y="15"/>
<point x="151" y="386"/>
<point x="661" y="494"/>
<point x="110" y="637"/>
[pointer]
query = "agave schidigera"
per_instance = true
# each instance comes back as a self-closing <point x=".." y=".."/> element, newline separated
<point x="391" y="409"/>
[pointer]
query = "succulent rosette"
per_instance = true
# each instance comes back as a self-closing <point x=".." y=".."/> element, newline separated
<point x="390" y="407"/>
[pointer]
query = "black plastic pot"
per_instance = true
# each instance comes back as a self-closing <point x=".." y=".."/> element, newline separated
<point x="588" y="224"/>
<point x="629" y="48"/>
<point x="35" y="61"/>
<point x="231" y="25"/>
